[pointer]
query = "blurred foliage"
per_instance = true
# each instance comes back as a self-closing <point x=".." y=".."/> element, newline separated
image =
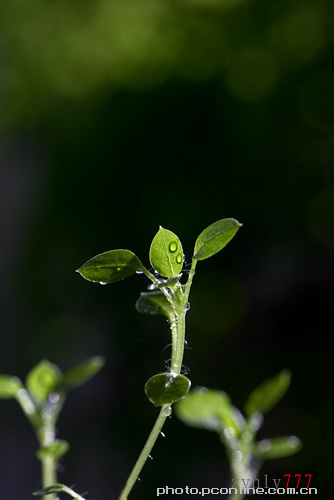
<point x="65" y="50"/>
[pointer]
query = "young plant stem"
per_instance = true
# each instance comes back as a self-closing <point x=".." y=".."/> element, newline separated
<point x="49" y="476"/>
<point x="164" y="413"/>
<point x="178" y="327"/>
<point x="49" y="466"/>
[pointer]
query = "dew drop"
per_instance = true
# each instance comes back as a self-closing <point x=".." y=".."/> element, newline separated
<point x="163" y="435"/>
<point x="293" y="442"/>
<point x="264" y="445"/>
<point x="138" y="478"/>
<point x="179" y="258"/>
<point x="103" y="283"/>
<point x="139" y="272"/>
<point x="150" y="456"/>
<point x="237" y="455"/>
<point x="229" y="432"/>
<point x="173" y="246"/>
<point x="53" y="397"/>
<point x="151" y="287"/>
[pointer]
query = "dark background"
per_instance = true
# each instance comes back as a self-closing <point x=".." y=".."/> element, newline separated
<point x="120" y="116"/>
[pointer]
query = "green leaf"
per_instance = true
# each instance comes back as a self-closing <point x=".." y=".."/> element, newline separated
<point x="165" y="388"/>
<point x="55" y="488"/>
<point x="209" y="409"/>
<point x="154" y="303"/>
<point x="277" y="448"/>
<point x="59" y="488"/>
<point x="267" y="395"/>
<point x="111" y="266"/>
<point x="215" y="237"/>
<point x="166" y="254"/>
<point x="43" y="379"/>
<point x="56" y="450"/>
<point x="9" y="386"/>
<point x="81" y="373"/>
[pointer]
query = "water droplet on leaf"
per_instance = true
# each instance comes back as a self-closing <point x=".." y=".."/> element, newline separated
<point x="163" y="435"/>
<point x="264" y="445"/>
<point x="179" y="258"/>
<point x="293" y="442"/>
<point x="229" y="432"/>
<point x="173" y="246"/>
<point x="102" y="283"/>
<point x="237" y="455"/>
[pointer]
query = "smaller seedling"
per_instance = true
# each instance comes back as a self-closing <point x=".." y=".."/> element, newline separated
<point x="41" y="399"/>
<point x="212" y="409"/>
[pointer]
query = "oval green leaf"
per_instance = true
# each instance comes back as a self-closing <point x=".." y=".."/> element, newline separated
<point x="215" y="237"/>
<point x="154" y="303"/>
<point x="9" y="386"/>
<point x="277" y="448"/>
<point x="43" y="379"/>
<point x="166" y="253"/>
<point x="267" y="395"/>
<point x="55" y="451"/>
<point x="210" y="409"/>
<point x="112" y="266"/>
<point x="81" y="373"/>
<point x="165" y="388"/>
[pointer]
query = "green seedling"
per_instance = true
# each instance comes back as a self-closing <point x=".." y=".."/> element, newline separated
<point x="167" y="296"/>
<point x="212" y="409"/>
<point x="41" y="399"/>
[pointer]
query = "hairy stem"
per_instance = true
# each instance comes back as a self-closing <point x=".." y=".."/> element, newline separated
<point x="178" y="328"/>
<point x="164" y="413"/>
<point x="49" y="465"/>
<point x="49" y="476"/>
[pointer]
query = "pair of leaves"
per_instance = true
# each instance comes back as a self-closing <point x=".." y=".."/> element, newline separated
<point x="166" y="388"/>
<point x="202" y="406"/>
<point x="212" y="409"/>
<point x="46" y="378"/>
<point x="166" y="254"/>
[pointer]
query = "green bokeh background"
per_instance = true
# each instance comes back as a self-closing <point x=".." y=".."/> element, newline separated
<point x="117" y="116"/>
